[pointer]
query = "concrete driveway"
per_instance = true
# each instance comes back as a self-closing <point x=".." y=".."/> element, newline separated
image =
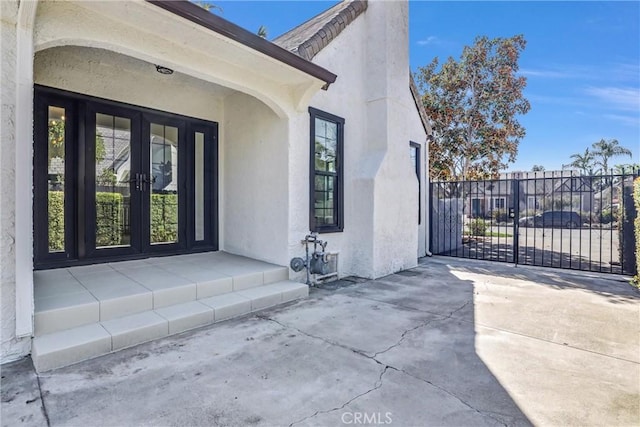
<point x="451" y="342"/>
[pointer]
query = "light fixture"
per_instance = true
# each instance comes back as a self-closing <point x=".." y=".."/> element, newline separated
<point x="164" y="70"/>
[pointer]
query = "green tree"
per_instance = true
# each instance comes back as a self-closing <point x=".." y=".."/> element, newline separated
<point x="56" y="138"/>
<point x="604" y="149"/>
<point x="472" y="104"/>
<point x="537" y="168"/>
<point x="585" y="163"/>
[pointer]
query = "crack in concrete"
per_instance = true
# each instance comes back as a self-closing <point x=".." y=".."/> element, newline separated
<point x="507" y="331"/>
<point x="346" y="347"/>
<point x="405" y="307"/>
<point x="444" y="390"/>
<point x="376" y="386"/>
<point x="421" y="325"/>
<point x="378" y="383"/>
<point x="43" y="405"/>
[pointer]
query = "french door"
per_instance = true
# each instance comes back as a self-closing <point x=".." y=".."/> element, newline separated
<point x="114" y="181"/>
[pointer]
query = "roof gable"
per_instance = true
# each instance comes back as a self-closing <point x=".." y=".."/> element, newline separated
<point x="307" y="39"/>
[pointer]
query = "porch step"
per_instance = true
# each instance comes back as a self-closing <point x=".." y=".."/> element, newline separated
<point x="83" y="312"/>
<point x="76" y="296"/>
<point x="65" y="347"/>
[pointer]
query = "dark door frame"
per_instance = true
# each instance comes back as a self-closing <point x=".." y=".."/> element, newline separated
<point x="79" y="213"/>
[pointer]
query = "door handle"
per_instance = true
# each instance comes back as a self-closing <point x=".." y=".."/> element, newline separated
<point x="142" y="181"/>
<point x="137" y="180"/>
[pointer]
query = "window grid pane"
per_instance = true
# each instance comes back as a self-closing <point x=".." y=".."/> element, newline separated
<point x="326" y="144"/>
<point x="324" y="208"/>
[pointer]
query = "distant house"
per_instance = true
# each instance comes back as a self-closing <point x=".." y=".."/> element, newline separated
<point x="533" y="191"/>
<point x="121" y="118"/>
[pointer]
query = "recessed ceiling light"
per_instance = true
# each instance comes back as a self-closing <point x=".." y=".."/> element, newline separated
<point x="163" y="70"/>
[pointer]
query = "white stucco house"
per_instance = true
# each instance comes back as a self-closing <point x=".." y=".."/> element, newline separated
<point x="150" y="141"/>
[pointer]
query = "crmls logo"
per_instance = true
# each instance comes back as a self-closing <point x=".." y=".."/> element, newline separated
<point x="367" y="418"/>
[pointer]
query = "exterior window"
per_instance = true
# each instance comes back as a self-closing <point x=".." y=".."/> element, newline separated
<point x="499" y="203"/>
<point x="326" y="172"/>
<point x="476" y="207"/>
<point x="414" y="155"/>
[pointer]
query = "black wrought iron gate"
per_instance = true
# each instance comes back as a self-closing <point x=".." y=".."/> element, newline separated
<point x="555" y="219"/>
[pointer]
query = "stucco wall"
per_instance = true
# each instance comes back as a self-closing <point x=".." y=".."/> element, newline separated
<point x="389" y="97"/>
<point x="12" y="347"/>
<point x="255" y="168"/>
<point x="381" y="232"/>
<point x="109" y="75"/>
<point x="344" y="56"/>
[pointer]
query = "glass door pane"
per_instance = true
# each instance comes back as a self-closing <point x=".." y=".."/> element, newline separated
<point x="113" y="175"/>
<point x="199" y="186"/>
<point x="55" y="178"/>
<point x="164" y="184"/>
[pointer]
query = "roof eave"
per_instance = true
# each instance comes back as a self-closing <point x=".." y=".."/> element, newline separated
<point x="202" y="17"/>
<point x="415" y="94"/>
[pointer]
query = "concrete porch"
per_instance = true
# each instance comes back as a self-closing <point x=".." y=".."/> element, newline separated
<point x="449" y="343"/>
<point x="88" y="311"/>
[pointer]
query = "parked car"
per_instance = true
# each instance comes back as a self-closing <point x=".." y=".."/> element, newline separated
<point x="526" y="221"/>
<point x="566" y="219"/>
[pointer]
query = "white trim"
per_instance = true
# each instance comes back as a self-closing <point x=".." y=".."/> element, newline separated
<point x="24" y="168"/>
<point x="494" y="204"/>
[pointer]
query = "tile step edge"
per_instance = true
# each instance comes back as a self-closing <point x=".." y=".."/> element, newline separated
<point x="70" y="346"/>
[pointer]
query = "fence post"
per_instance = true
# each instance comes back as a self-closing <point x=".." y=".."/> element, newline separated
<point x="515" y="191"/>
<point x="431" y="211"/>
<point x="627" y="236"/>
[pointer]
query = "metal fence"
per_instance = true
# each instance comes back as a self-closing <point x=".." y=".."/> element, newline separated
<point x="557" y="219"/>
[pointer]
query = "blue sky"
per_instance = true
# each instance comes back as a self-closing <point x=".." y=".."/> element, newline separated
<point x="582" y="62"/>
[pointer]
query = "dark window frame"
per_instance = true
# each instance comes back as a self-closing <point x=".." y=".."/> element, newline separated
<point x="418" y="149"/>
<point x="338" y="225"/>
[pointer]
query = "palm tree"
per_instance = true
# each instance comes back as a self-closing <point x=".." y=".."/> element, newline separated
<point x="603" y="150"/>
<point x="262" y="32"/>
<point x="583" y="162"/>
<point x="209" y="7"/>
